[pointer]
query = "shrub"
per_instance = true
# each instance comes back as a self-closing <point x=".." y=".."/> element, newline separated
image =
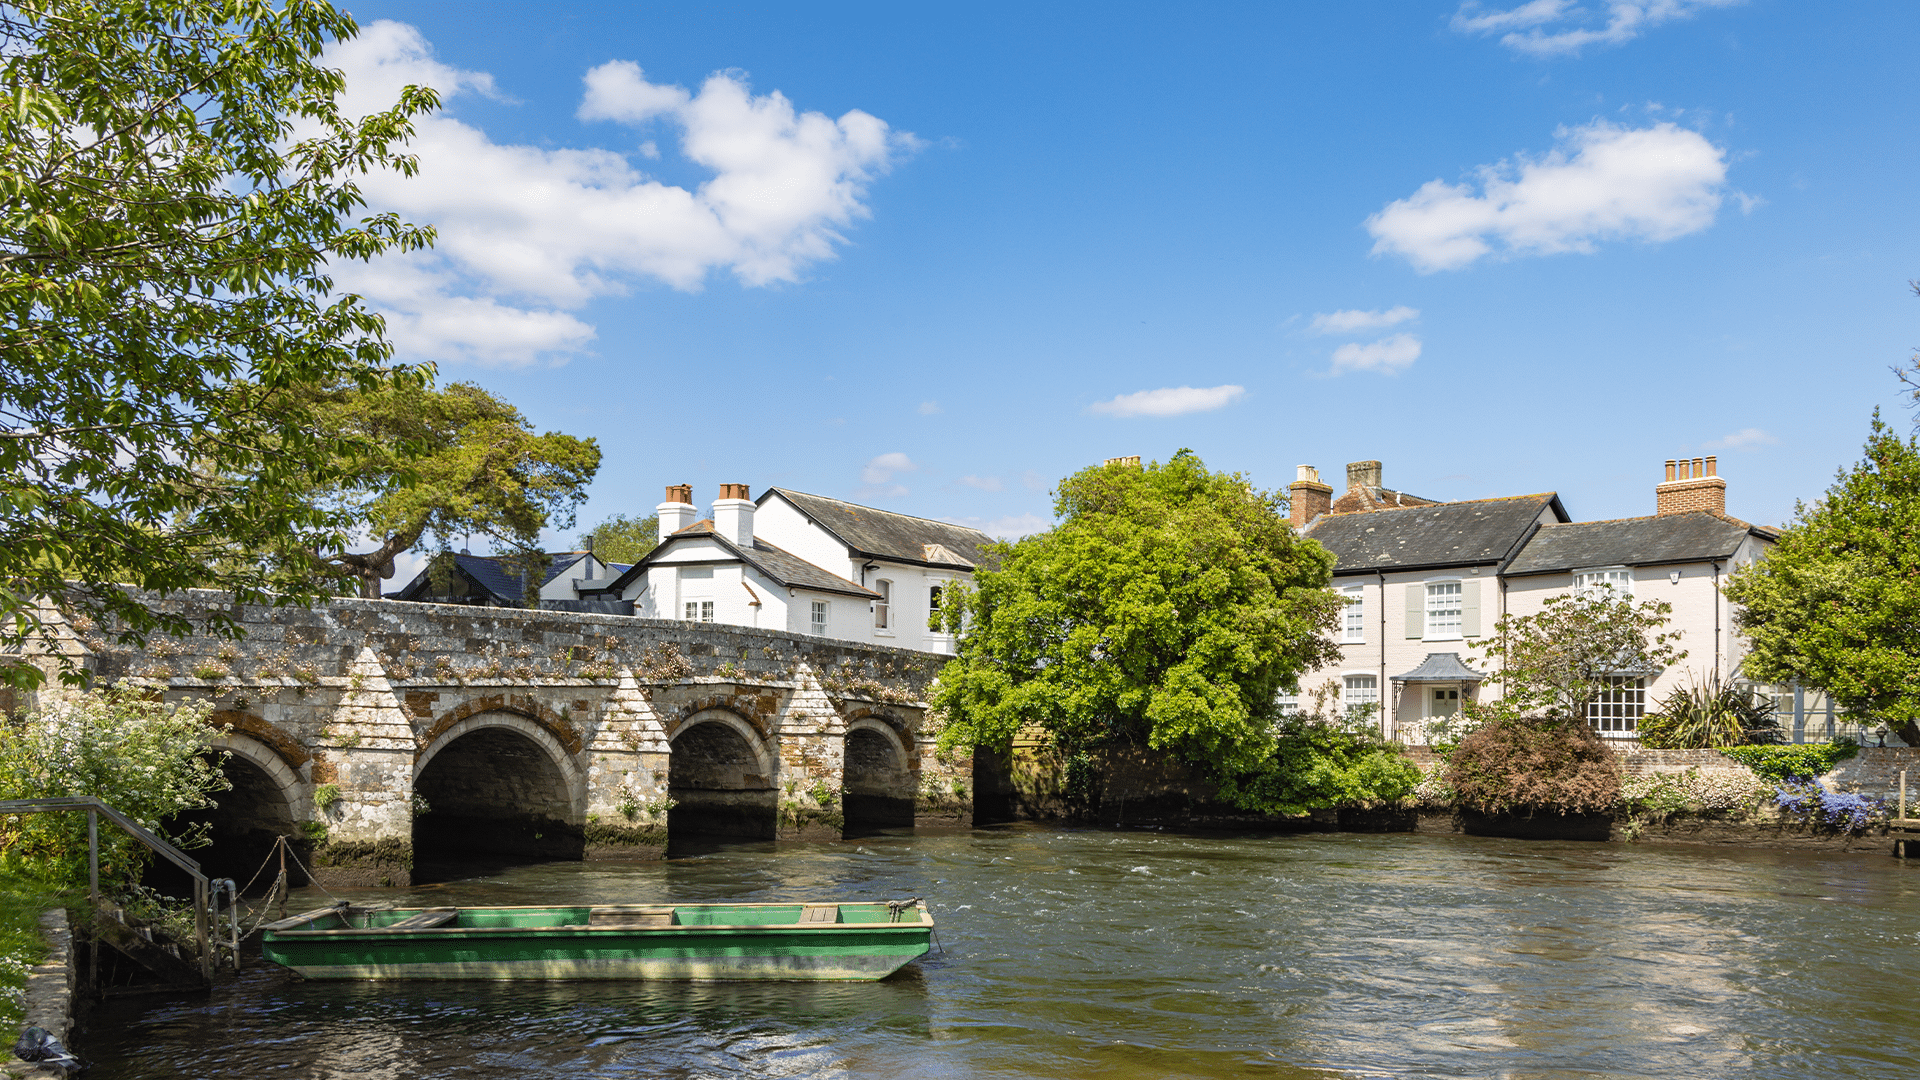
<point x="1531" y="765"/>
<point x="1317" y="766"/>
<point x="1710" y="713"/>
<point x="1782" y="764"/>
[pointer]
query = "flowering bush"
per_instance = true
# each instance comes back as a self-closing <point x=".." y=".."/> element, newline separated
<point x="1433" y="789"/>
<point x="1846" y="811"/>
<point x="145" y="758"/>
<point x="1694" y="790"/>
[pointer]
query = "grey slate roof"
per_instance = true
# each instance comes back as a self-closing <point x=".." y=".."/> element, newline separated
<point x="498" y="578"/>
<point x="885" y="534"/>
<point x="1468" y="533"/>
<point x="1643" y="541"/>
<point x="776" y="563"/>
<point x="1441" y="667"/>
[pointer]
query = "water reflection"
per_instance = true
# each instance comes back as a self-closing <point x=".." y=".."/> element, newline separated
<point x="1123" y="954"/>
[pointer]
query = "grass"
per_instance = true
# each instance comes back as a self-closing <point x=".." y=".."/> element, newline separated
<point x="22" y="901"/>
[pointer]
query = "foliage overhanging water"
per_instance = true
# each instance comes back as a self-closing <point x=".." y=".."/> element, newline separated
<point x="1145" y="954"/>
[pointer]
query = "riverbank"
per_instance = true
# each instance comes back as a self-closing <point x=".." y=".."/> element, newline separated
<point x="1672" y="796"/>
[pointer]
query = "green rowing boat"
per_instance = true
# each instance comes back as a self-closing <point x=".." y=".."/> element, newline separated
<point x="707" y="942"/>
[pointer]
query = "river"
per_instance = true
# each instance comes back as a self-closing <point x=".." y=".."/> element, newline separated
<point x="1085" y="953"/>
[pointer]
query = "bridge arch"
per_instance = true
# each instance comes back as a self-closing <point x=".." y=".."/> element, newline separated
<point x="721" y="775"/>
<point x="877" y="775"/>
<point x="266" y="799"/>
<point x="497" y="785"/>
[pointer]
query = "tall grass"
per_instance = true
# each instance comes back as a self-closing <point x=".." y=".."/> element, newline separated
<point x="23" y="900"/>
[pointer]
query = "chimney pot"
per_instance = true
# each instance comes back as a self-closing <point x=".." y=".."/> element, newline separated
<point x="733" y="515"/>
<point x="677" y="511"/>
<point x="1692" y="485"/>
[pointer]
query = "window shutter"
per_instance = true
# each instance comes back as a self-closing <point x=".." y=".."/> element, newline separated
<point x="1416" y="609"/>
<point x="1469" y="609"/>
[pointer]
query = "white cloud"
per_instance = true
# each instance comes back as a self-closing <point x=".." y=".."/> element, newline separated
<point x="1549" y="28"/>
<point x="1388" y="355"/>
<point x="1751" y="438"/>
<point x="930" y="408"/>
<point x="1353" y="322"/>
<point x="527" y="234"/>
<point x="1006" y="528"/>
<point x="1169" y="401"/>
<point x="1603" y="182"/>
<point x="984" y="483"/>
<point x="882" y="469"/>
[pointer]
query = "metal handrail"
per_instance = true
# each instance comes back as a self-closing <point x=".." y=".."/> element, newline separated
<point x="94" y="808"/>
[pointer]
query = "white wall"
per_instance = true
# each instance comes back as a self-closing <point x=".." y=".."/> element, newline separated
<point x="1695" y="601"/>
<point x="781" y="524"/>
<point x="912" y="604"/>
<point x="1386" y="652"/>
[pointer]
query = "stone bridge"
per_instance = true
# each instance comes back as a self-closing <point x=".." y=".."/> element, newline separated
<point x="384" y="733"/>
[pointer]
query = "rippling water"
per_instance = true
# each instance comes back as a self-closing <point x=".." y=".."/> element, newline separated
<point x="1144" y="954"/>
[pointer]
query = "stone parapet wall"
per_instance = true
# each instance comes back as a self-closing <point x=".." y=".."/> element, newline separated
<point x="346" y="703"/>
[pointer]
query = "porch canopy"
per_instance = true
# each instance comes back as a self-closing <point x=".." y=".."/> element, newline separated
<point x="1441" y="667"/>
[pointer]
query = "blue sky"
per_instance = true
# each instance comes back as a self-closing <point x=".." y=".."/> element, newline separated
<point x="1503" y="248"/>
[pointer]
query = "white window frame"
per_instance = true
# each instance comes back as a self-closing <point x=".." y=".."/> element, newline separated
<point x="935" y="590"/>
<point x="699" y="610"/>
<point x="1353" y="618"/>
<point x="819" y="616"/>
<point x="1615" y="712"/>
<point x="883" y="607"/>
<point x="1437" y="594"/>
<point x="1287" y="704"/>
<point x="1359" y="688"/>
<point x="1594" y="579"/>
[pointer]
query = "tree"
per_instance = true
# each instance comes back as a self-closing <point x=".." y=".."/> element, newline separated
<point x="164" y="241"/>
<point x="623" y="539"/>
<point x="1836" y="603"/>
<point x="1552" y="663"/>
<point x="1168" y="608"/>
<point x="446" y="464"/>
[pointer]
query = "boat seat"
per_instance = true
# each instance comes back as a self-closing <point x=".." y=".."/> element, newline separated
<point x="820" y="913"/>
<point x="422" y="920"/>
<point x="629" y="916"/>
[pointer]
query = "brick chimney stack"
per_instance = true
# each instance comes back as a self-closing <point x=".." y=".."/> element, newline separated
<point x="1691" y="485"/>
<point x="1308" y="496"/>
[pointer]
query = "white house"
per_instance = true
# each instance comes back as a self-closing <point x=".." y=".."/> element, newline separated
<point x="1426" y="581"/>
<point x="799" y="562"/>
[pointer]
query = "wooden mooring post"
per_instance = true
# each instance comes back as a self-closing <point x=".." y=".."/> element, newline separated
<point x="1903" y="828"/>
